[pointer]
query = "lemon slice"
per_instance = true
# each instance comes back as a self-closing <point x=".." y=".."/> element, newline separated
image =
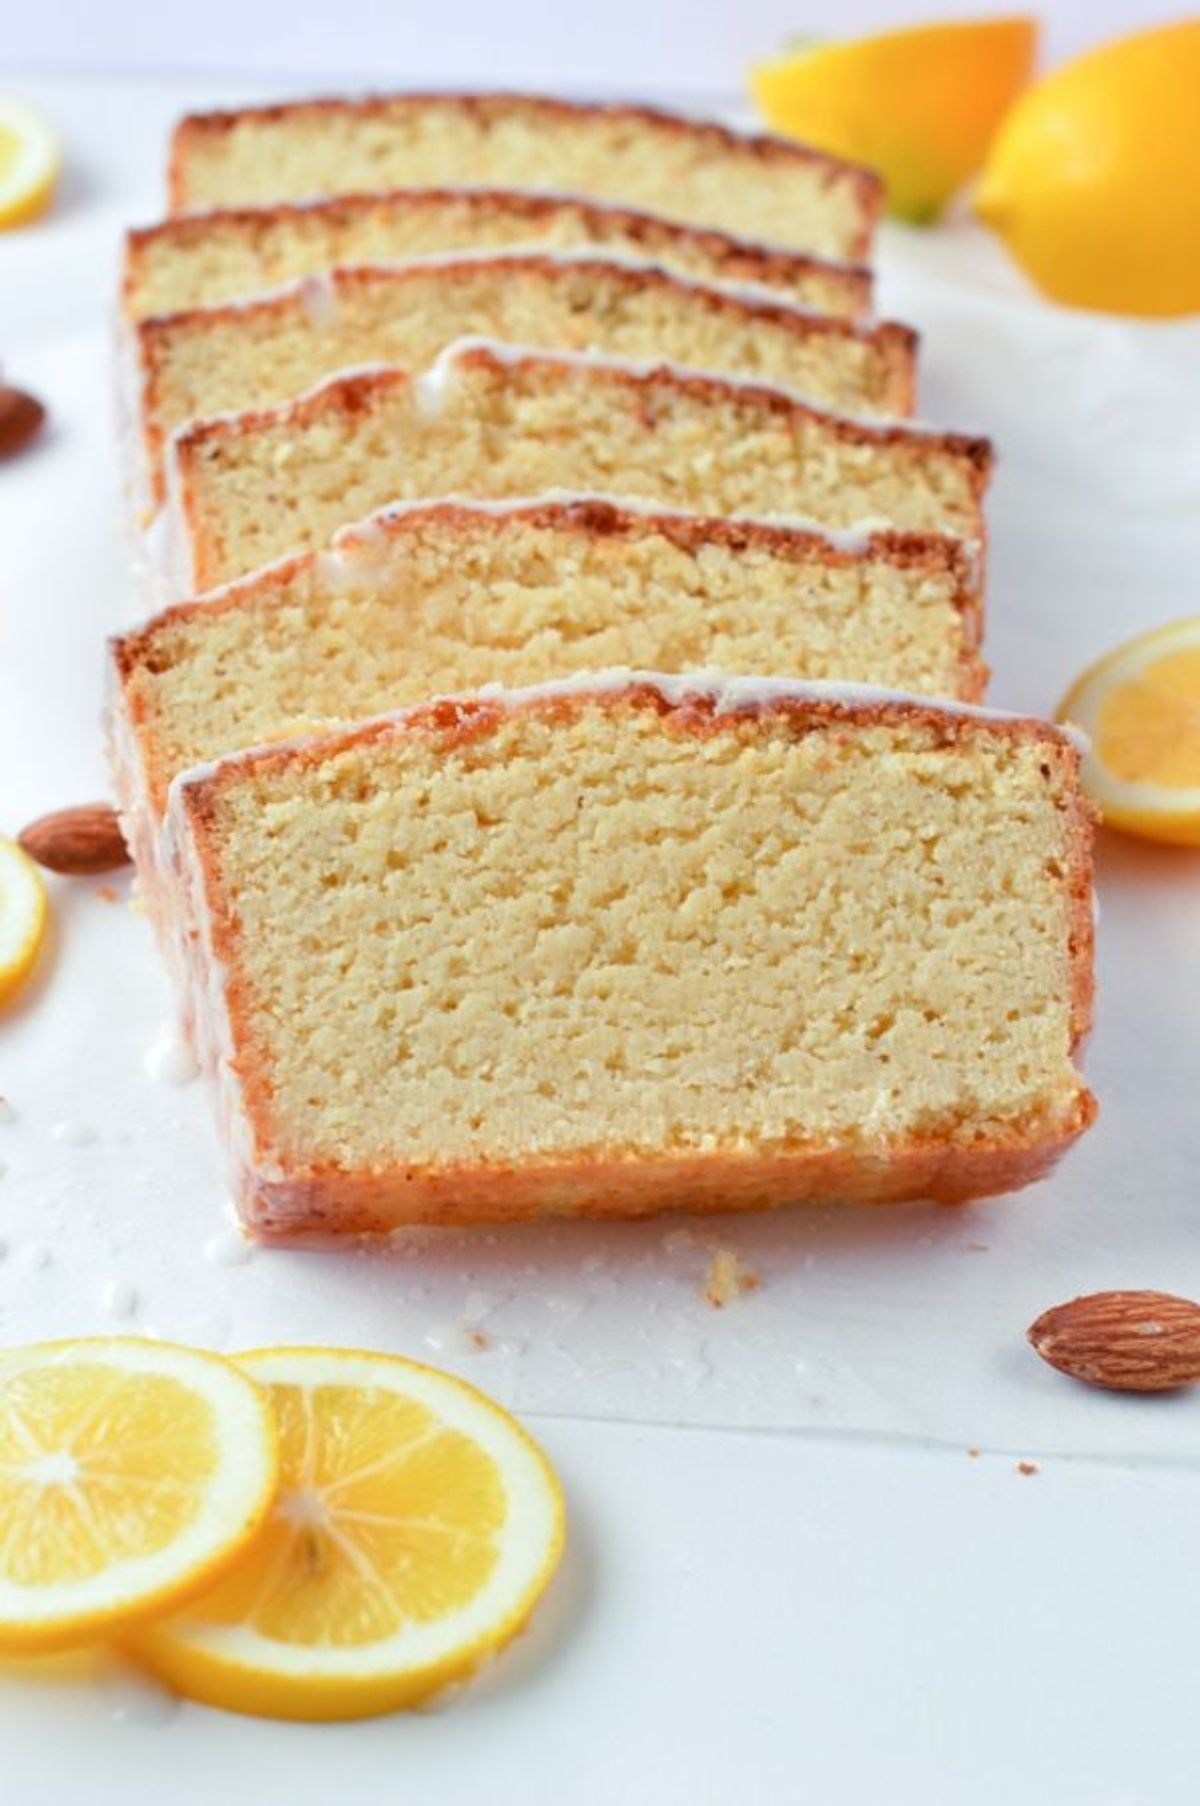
<point x="415" y="1529"/>
<point x="24" y="913"/>
<point x="920" y="105"/>
<point x="131" y="1474"/>
<point x="30" y="159"/>
<point x="1140" y="706"/>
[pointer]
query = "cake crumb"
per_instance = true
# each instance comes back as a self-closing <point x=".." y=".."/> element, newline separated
<point x="479" y="1338"/>
<point x="727" y="1278"/>
<point x="107" y="893"/>
<point x="1028" y="1467"/>
<point x="974" y="1453"/>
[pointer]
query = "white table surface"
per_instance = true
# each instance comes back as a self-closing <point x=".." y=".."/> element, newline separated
<point x="813" y="1592"/>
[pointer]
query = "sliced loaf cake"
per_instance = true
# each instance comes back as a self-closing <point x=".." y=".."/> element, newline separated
<point x="685" y="169"/>
<point x="440" y="596"/>
<point x="197" y="260"/>
<point x="630" y="943"/>
<point x="245" y="354"/>
<point x="491" y="422"/>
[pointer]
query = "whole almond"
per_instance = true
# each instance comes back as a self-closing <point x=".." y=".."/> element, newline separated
<point x="77" y="842"/>
<point x="1125" y="1341"/>
<point x="21" y="416"/>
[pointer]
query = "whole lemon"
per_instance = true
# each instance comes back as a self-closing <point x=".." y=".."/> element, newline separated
<point x="1094" y="177"/>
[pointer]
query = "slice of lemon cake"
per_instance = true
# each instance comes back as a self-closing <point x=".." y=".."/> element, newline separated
<point x="627" y="943"/>
<point x="244" y="354"/>
<point x="491" y="422"/>
<point x="451" y="595"/>
<point x="197" y="260"/>
<point x="701" y="173"/>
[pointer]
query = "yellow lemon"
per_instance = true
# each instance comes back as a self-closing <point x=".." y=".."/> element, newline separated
<point x="24" y="914"/>
<point x="1140" y="706"/>
<point x="919" y="105"/>
<point x="131" y="1475"/>
<point x="416" y="1527"/>
<point x="1094" y="179"/>
<point x="30" y="159"/>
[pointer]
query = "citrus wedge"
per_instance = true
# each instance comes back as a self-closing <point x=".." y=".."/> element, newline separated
<point x="24" y="913"/>
<point x="1140" y="707"/>
<point x="30" y="159"/>
<point x="131" y="1473"/>
<point x="920" y="105"/>
<point x="416" y="1527"/>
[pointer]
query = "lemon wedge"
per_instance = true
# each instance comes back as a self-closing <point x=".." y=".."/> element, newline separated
<point x="415" y="1529"/>
<point x="131" y="1474"/>
<point x="1094" y="178"/>
<point x="24" y="914"/>
<point x="30" y="159"/>
<point x="921" y="105"/>
<point x="1140" y="706"/>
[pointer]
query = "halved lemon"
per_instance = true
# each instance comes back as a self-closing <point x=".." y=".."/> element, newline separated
<point x="131" y="1474"/>
<point x="920" y="104"/>
<point x="416" y="1527"/>
<point x="24" y="913"/>
<point x="30" y="159"/>
<point x="1140" y="707"/>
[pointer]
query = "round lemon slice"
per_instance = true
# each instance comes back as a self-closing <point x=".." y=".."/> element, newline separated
<point x="30" y="159"/>
<point x="415" y="1529"/>
<point x="131" y="1474"/>
<point x="1140" y="707"/>
<point x="24" y="913"/>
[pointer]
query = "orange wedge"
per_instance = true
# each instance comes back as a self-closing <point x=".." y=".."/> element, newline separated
<point x="1140" y="707"/>
<point x="921" y="105"/>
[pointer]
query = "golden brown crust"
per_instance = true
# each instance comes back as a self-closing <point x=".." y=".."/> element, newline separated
<point x="320" y="1202"/>
<point x="281" y="1201"/>
<point x="740" y="260"/>
<point x="761" y="147"/>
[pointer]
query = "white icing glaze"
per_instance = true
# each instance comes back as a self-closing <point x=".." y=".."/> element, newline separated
<point x="729" y="695"/>
<point x="436" y="383"/>
<point x="855" y="541"/>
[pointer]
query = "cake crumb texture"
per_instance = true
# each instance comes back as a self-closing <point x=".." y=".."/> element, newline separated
<point x="639" y="949"/>
<point x="446" y="598"/>
<point x="262" y="485"/>
<point x="700" y="173"/>
<point x="202" y="259"/>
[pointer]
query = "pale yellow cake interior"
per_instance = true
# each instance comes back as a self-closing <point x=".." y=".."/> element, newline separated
<point x="446" y="603"/>
<point x="193" y="263"/>
<point x="206" y="363"/>
<point x="698" y="179"/>
<point x="555" y="939"/>
<point x="290" y="483"/>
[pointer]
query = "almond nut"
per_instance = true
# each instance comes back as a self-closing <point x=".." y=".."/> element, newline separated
<point x="1125" y="1341"/>
<point x="21" y="416"/>
<point x="77" y="842"/>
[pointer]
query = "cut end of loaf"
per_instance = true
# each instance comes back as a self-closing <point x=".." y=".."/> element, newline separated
<point x="609" y="947"/>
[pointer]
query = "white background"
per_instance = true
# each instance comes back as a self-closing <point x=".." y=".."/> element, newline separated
<point x="685" y="47"/>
